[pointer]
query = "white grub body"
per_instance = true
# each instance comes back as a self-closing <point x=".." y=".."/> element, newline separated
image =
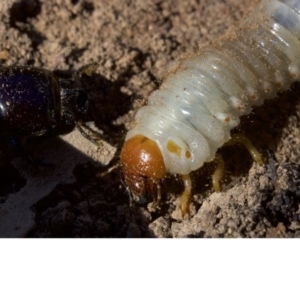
<point x="193" y="112"/>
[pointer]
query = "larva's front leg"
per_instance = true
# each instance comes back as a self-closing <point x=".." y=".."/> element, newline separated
<point x="218" y="173"/>
<point x="185" y="198"/>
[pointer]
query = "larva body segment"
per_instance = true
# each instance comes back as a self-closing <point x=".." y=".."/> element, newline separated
<point x="193" y="112"/>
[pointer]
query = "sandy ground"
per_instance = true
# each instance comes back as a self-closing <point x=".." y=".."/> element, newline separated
<point x="135" y="43"/>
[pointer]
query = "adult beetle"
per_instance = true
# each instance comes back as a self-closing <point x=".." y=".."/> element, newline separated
<point x="34" y="101"/>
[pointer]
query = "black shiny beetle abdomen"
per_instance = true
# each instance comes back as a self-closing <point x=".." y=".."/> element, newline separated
<point x="34" y="101"/>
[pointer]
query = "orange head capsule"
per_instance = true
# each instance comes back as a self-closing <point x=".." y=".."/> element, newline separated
<point x="142" y="164"/>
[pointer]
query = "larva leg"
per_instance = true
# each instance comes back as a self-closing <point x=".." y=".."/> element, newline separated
<point x="186" y="195"/>
<point x="218" y="174"/>
<point x="241" y="139"/>
<point x="158" y="198"/>
<point x="158" y="191"/>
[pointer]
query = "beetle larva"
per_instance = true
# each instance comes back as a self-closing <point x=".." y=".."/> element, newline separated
<point x="194" y="110"/>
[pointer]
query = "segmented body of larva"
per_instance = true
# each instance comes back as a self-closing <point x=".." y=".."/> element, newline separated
<point x="193" y="112"/>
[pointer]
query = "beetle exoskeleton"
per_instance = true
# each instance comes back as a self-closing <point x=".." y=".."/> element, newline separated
<point x="34" y="101"/>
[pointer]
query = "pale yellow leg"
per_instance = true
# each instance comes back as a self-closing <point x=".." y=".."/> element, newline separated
<point x="241" y="139"/>
<point x="235" y="139"/>
<point x="157" y="199"/>
<point x="218" y="174"/>
<point x="158" y="196"/>
<point x="185" y="198"/>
